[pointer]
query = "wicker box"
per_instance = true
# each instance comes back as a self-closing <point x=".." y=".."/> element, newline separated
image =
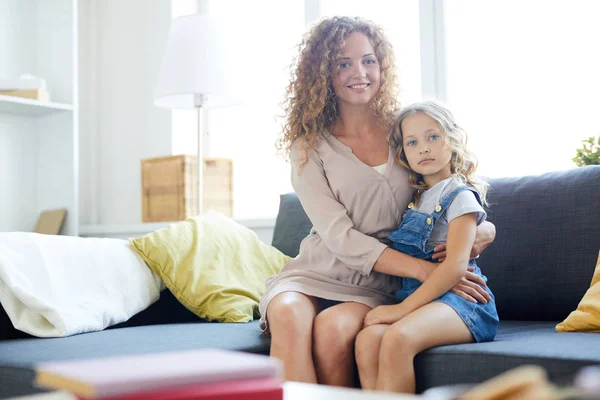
<point x="169" y="187"/>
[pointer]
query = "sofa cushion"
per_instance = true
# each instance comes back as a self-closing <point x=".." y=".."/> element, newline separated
<point x="17" y="357"/>
<point x="547" y="241"/>
<point x="587" y="316"/>
<point x="213" y="265"/>
<point x="167" y="310"/>
<point x="291" y="226"/>
<point x="517" y="343"/>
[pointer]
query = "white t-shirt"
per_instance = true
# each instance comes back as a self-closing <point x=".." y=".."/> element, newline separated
<point x="464" y="203"/>
<point x="380" y="168"/>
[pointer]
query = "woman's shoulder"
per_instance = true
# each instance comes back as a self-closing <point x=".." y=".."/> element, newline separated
<point x="319" y="144"/>
<point x="303" y="151"/>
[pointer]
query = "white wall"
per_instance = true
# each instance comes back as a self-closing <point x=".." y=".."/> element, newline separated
<point x="121" y="46"/>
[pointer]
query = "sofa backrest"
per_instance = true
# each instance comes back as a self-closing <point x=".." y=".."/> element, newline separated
<point x="547" y="240"/>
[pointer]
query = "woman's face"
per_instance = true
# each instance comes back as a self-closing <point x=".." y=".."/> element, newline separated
<point x="356" y="71"/>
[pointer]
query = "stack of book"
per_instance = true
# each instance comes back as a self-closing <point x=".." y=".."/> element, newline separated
<point x="181" y="375"/>
<point x="26" y="86"/>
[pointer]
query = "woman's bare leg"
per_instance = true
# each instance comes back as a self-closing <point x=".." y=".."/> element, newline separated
<point x="366" y="349"/>
<point x="434" y="324"/>
<point x="290" y="317"/>
<point x="334" y="333"/>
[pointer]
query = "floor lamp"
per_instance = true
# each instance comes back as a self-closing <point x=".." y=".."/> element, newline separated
<point x="198" y="71"/>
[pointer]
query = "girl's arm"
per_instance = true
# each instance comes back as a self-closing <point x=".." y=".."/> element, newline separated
<point x="461" y="236"/>
<point x="486" y="233"/>
<point x="392" y="262"/>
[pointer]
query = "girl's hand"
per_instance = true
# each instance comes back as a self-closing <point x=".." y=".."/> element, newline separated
<point x="384" y="315"/>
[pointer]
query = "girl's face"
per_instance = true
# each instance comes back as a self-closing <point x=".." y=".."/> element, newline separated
<point x="425" y="149"/>
<point x="356" y="71"/>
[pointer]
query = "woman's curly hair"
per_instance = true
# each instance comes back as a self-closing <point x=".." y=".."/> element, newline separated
<point x="310" y="103"/>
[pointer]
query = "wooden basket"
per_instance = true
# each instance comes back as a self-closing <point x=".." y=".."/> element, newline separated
<point x="170" y="190"/>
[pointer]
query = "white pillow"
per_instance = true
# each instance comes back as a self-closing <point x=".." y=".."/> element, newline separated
<point x="61" y="285"/>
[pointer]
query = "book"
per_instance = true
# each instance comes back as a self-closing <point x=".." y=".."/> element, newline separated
<point x="122" y="375"/>
<point x="50" y="221"/>
<point x="35" y="94"/>
<point x="252" y="389"/>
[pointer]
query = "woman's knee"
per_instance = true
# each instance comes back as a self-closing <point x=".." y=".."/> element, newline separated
<point x="291" y="312"/>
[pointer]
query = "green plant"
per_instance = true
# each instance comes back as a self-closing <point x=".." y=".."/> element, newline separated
<point x="589" y="153"/>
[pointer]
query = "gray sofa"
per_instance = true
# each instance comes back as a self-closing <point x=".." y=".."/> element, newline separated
<point x="539" y="267"/>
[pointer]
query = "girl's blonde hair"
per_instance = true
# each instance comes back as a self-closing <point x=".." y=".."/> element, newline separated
<point x="463" y="163"/>
<point x="310" y="103"/>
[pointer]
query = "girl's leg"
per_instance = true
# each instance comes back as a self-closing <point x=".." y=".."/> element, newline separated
<point x="368" y="344"/>
<point x="290" y="316"/>
<point x="334" y="334"/>
<point x="434" y="324"/>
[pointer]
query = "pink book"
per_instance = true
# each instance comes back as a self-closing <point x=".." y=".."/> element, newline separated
<point x="114" y="376"/>
<point x="253" y="389"/>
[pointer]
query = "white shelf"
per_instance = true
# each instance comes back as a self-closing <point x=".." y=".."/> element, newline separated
<point x="143" y="228"/>
<point x="39" y="140"/>
<point x="23" y="106"/>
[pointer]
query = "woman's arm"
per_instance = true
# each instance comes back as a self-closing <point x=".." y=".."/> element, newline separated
<point x="461" y="236"/>
<point x="486" y="233"/>
<point x="329" y="217"/>
<point x="392" y="262"/>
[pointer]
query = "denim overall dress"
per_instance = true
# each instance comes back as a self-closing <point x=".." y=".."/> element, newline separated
<point x="411" y="238"/>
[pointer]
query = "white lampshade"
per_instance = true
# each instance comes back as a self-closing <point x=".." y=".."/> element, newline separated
<point x="200" y="64"/>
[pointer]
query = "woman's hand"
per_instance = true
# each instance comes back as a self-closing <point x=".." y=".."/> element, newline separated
<point x="486" y="233"/>
<point x="470" y="287"/>
<point x="384" y="315"/>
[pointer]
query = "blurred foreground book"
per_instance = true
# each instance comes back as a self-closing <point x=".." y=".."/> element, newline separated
<point x="181" y="375"/>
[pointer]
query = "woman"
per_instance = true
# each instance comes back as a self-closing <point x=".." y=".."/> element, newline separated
<point x="340" y="105"/>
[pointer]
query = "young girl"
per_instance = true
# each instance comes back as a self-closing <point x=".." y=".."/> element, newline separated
<point x="447" y="207"/>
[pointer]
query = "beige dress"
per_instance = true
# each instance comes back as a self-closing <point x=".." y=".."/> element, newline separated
<point x="353" y="209"/>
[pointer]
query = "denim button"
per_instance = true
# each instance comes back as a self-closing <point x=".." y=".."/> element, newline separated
<point x="438" y="208"/>
<point x="429" y="221"/>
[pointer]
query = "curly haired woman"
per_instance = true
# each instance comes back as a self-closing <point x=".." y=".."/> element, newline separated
<point x="340" y="105"/>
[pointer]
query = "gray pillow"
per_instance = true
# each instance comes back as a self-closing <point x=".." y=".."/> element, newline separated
<point x="291" y="226"/>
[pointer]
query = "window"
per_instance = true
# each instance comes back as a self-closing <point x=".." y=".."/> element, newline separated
<point x="523" y="80"/>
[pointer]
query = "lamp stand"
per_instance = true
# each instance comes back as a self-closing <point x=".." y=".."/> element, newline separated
<point x="200" y="168"/>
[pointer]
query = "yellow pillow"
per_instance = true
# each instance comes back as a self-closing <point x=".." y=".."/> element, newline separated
<point x="214" y="266"/>
<point x="587" y="316"/>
